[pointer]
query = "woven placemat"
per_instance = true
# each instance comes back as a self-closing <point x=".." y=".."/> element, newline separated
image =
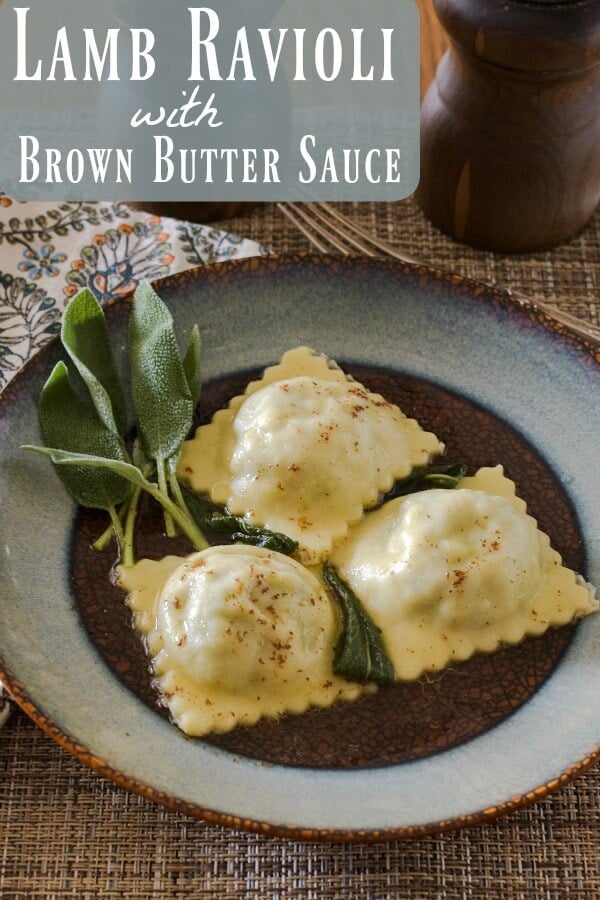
<point x="65" y="832"/>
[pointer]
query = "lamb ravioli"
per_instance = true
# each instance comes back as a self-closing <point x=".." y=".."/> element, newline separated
<point x="304" y="451"/>
<point x="236" y="633"/>
<point x="446" y="574"/>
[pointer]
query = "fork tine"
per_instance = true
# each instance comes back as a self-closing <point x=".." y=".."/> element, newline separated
<point x="309" y="221"/>
<point x="290" y="213"/>
<point x="341" y="226"/>
<point x="349" y="226"/>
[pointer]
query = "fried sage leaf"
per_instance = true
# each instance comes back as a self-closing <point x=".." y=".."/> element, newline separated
<point x="85" y="337"/>
<point x="161" y="394"/>
<point x="211" y="517"/>
<point x="71" y="425"/>
<point x="360" y="653"/>
<point x="426" y="478"/>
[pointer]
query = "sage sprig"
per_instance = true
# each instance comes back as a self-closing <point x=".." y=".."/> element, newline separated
<point x="84" y="429"/>
<point x="211" y="517"/>
<point x="360" y="653"/>
<point x="426" y="478"/>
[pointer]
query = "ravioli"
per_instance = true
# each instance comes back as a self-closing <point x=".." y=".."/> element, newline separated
<point x="304" y="451"/>
<point x="446" y="574"/>
<point x="236" y="633"/>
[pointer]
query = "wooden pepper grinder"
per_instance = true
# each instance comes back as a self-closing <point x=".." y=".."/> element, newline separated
<point x="510" y="140"/>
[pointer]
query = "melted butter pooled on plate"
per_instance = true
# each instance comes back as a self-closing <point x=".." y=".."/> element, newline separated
<point x="446" y="574"/>
<point x="236" y="633"/>
<point x="304" y="451"/>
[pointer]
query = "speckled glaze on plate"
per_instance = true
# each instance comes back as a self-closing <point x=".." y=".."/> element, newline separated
<point x="470" y="340"/>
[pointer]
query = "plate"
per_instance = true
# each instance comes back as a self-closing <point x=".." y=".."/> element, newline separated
<point x="473" y="345"/>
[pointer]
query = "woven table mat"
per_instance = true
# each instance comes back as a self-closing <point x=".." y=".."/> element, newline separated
<point x="65" y="832"/>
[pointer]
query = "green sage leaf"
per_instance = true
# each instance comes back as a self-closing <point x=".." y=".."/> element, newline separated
<point x="161" y="394"/>
<point x="85" y="337"/>
<point x="192" y="364"/>
<point x="360" y="653"/>
<point x="92" y="461"/>
<point x="426" y="478"/>
<point x="133" y="475"/>
<point x="72" y="426"/>
<point x="140" y="459"/>
<point x="211" y="517"/>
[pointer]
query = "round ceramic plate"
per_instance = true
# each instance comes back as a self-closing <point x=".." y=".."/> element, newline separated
<point x="490" y="375"/>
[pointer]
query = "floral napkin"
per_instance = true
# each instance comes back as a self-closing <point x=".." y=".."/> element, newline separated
<point x="48" y="252"/>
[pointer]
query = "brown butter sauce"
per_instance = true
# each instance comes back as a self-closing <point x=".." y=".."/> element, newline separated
<point x="404" y="722"/>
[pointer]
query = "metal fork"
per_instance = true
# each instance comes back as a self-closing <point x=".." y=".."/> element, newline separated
<point x="327" y="229"/>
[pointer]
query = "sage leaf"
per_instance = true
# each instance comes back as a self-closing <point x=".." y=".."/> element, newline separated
<point x="192" y="365"/>
<point x="211" y="517"/>
<point x="84" y="334"/>
<point x="425" y="478"/>
<point x="360" y="653"/>
<point x="140" y="459"/>
<point x="132" y="474"/>
<point x="92" y="461"/>
<point x="72" y="426"/>
<point x="161" y="394"/>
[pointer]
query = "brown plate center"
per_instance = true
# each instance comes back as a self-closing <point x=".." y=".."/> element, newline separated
<point x="400" y="723"/>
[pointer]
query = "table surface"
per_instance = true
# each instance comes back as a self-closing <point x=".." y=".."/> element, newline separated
<point x="64" y="832"/>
